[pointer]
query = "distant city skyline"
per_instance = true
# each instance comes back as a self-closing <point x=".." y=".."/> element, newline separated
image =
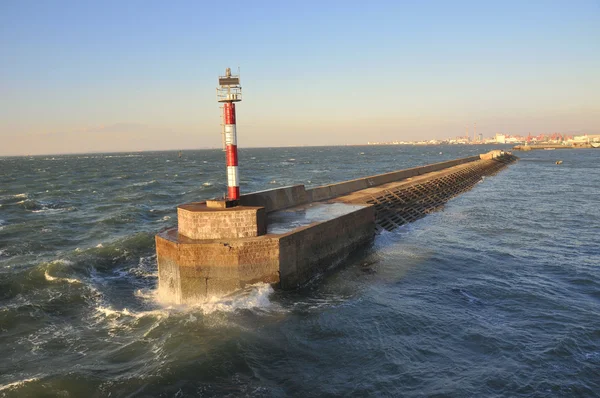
<point x="111" y="76"/>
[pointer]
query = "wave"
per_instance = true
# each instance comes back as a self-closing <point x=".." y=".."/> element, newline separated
<point x="53" y="210"/>
<point x="13" y="199"/>
<point x="82" y="266"/>
<point x="468" y="296"/>
<point x="108" y="254"/>
<point x="146" y="294"/>
<point x="109" y="312"/>
<point x="252" y="297"/>
<point x="50" y="278"/>
<point x="35" y="206"/>
<point x="18" y="383"/>
<point x="143" y="184"/>
<point x="145" y="268"/>
<point x="120" y="156"/>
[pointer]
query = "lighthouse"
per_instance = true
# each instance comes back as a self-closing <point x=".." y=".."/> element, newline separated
<point x="229" y="92"/>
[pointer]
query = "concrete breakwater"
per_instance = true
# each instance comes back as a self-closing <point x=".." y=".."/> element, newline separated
<point x="288" y="235"/>
<point x="554" y="146"/>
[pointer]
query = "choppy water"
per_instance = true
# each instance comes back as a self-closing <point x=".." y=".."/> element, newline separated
<point x="498" y="295"/>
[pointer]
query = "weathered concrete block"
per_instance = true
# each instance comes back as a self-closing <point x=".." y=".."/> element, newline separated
<point x="198" y="221"/>
<point x="311" y="250"/>
<point x="276" y="199"/>
<point x="192" y="270"/>
<point x="492" y="154"/>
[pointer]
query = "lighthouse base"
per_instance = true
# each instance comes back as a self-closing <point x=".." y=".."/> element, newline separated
<point x="192" y="270"/>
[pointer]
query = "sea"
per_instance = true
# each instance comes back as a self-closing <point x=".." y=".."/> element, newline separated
<point x="496" y="295"/>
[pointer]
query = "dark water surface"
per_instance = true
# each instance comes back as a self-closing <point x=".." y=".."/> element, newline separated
<point x="498" y="295"/>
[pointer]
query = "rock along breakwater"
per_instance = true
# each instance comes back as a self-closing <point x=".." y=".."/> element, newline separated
<point x="288" y="235"/>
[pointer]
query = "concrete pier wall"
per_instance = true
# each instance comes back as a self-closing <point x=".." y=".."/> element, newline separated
<point x="282" y="198"/>
<point x="191" y="270"/>
<point x="405" y="201"/>
<point x="276" y="199"/>
<point x="343" y="188"/>
<point x="311" y="250"/>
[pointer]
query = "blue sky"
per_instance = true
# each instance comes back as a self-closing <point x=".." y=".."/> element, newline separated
<point x="135" y="75"/>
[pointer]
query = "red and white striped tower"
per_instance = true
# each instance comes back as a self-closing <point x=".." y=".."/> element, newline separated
<point x="229" y="92"/>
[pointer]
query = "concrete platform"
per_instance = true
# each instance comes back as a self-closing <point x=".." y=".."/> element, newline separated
<point x="301" y="242"/>
<point x="283" y="221"/>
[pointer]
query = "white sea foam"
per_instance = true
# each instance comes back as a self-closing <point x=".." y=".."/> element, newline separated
<point x="207" y="184"/>
<point x="47" y="210"/>
<point x="18" y="383"/>
<point x="255" y="296"/>
<point x="120" y="156"/>
<point x="20" y="195"/>
<point x="592" y="355"/>
<point x="146" y="268"/>
<point x="109" y="312"/>
<point x="143" y="184"/>
<point x="62" y="261"/>
<point x="51" y="278"/>
<point x="146" y="294"/>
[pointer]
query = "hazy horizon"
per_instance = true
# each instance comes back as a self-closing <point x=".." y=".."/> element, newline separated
<point x="82" y="77"/>
<point x="242" y="148"/>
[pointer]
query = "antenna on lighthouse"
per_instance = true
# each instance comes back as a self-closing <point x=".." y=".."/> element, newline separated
<point x="229" y="92"/>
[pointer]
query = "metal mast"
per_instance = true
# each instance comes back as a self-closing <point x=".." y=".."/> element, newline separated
<point x="229" y="92"/>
